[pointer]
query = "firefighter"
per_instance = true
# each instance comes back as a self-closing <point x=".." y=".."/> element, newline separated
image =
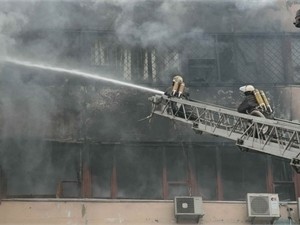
<point x="249" y="103"/>
<point x="297" y="19"/>
<point x="178" y="88"/>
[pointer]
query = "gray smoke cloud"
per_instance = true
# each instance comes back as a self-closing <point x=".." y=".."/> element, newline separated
<point x="26" y="108"/>
<point x="11" y="23"/>
<point x="146" y="23"/>
<point x="169" y="22"/>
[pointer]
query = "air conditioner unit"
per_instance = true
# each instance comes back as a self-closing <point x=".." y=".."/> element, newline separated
<point x="263" y="206"/>
<point x="188" y="209"/>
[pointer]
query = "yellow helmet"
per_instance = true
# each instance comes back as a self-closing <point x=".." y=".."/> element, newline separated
<point x="178" y="79"/>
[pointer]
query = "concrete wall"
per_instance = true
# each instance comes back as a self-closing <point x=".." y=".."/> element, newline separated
<point x="92" y="212"/>
<point x="295" y="93"/>
<point x="289" y="103"/>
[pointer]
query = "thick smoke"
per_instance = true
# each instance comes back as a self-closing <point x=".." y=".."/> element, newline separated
<point x="146" y="23"/>
<point x="11" y="23"/>
<point x="160" y="23"/>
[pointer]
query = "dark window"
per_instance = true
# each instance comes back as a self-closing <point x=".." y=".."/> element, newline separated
<point x="242" y="173"/>
<point x="101" y="161"/>
<point x="283" y="179"/>
<point x="177" y="171"/>
<point x="202" y="70"/>
<point x="139" y="170"/>
<point x="205" y="159"/>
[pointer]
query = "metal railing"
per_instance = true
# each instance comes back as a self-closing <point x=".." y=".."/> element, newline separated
<point x="271" y="136"/>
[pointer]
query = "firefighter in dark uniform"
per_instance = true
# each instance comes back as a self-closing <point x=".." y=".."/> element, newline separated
<point x="255" y="103"/>
<point x="249" y="103"/>
<point x="179" y="90"/>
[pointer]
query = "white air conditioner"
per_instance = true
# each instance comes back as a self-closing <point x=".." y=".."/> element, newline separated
<point x="263" y="205"/>
<point x="188" y="209"/>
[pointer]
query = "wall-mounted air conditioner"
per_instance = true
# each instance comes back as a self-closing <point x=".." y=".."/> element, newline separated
<point x="263" y="206"/>
<point x="188" y="209"/>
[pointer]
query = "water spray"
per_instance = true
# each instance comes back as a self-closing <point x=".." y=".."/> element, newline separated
<point x="79" y="73"/>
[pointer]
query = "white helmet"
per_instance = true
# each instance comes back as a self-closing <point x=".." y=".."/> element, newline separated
<point x="247" y="88"/>
<point x="178" y="79"/>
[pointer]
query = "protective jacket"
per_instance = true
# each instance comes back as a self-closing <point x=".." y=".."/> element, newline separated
<point x="248" y="104"/>
<point x="184" y="95"/>
<point x="178" y="108"/>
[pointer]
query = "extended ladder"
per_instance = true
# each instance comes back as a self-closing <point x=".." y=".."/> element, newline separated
<point x="275" y="137"/>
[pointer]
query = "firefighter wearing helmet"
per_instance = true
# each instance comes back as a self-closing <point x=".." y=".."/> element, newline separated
<point x="255" y="103"/>
<point x="177" y="78"/>
<point x="249" y="103"/>
<point x="178" y="88"/>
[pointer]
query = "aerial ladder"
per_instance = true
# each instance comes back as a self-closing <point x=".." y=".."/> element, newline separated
<point x="275" y="137"/>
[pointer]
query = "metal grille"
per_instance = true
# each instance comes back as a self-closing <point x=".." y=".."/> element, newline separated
<point x="245" y="57"/>
<point x="231" y="58"/>
<point x="260" y="205"/>
<point x="109" y="56"/>
<point x="126" y="64"/>
<point x="98" y="54"/>
<point x="295" y="59"/>
<point x="272" y="67"/>
<point x="150" y="68"/>
<point x="167" y="62"/>
<point x="185" y="205"/>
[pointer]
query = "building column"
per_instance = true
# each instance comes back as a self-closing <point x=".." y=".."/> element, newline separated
<point x="220" y="193"/>
<point x="296" y="179"/>
<point x="86" y="181"/>
<point x="113" y="180"/>
<point x="269" y="176"/>
<point x="165" y="190"/>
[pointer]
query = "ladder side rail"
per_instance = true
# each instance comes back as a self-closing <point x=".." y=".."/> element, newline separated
<point x="286" y="139"/>
<point x="210" y="117"/>
<point x="258" y="144"/>
<point x="270" y="149"/>
<point x="283" y="139"/>
<point x="281" y="123"/>
<point x="209" y="121"/>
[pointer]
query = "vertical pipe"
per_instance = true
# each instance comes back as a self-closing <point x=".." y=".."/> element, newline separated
<point x="296" y="179"/>
<point x="269" y="176"/>
<point x="220" y="192"/>
<point x="164" y="176"/>
<point x="191" y="173"/>
<point x="86" y="181"/>
<point x="113" y="181"/>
